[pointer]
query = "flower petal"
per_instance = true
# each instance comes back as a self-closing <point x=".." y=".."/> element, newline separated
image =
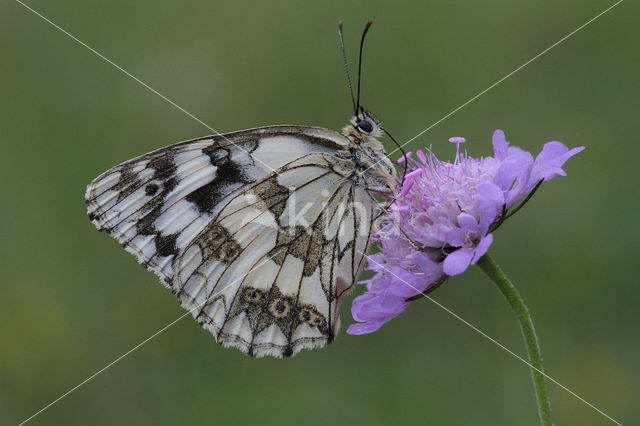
<point x="455" y="237"/>
<point x="430" y="269"/>
<point x="364" y="328"/>
<point x="467" y="222"/>
<point x="360" y="305"/>
<point x="405" y="284"/>
<point x="550" y="161"/>
<point x="392" y="305"/>
<point x="490" y="191"/>
<point x="510" y="168"/>
<point x="374" y="262"/>
<point x="457" y="262"/>
<point x="376" y="307"/>
<point x="482" y="248"/>
<point x="488" y="214"/>
<point x="500" y="144"/>
<point x="513" y="176"/>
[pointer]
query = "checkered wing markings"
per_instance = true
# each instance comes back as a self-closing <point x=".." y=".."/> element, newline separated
<point x="156" y="203"/>
<point x="265" y="275"/>
<point x="209" y="217"/>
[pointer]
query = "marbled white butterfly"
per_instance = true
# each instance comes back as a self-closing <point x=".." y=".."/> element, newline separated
<point x="259" y="233"/>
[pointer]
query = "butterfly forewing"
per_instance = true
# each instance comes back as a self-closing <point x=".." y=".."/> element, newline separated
<point x="259" y="233"/>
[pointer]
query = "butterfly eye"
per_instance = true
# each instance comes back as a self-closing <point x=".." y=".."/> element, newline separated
<point x="364" y="126"/>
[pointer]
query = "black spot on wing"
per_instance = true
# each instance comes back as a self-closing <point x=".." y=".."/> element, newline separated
<point x="166" y="245"/>
<point x="127" y="184"/>
<point x="217" y="154"/>
<point x="151" y="189"/>
<point x="228" y="174"/>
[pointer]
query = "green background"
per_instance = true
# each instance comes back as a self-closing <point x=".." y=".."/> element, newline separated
<point x="72" y="301"/>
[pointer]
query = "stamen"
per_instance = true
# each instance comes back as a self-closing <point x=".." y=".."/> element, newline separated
<point x="414" y="173"/>
<point x="407" y="187"/>
<point x="457" y="140"/>
<point x="404" y="157"/>
<point x="397" y="208"/>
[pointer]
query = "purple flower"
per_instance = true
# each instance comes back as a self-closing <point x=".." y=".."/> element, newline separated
<point x="442" y="219"/>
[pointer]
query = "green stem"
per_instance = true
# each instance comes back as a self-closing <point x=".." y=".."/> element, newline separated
<point x="491" y="268"/>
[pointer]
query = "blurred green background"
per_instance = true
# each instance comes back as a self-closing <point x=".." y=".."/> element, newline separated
<point x="71" y="300"/>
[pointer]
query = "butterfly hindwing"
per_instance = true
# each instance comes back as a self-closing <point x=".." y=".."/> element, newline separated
<point x="266" y="274"/>
<point x="259" y="233"/>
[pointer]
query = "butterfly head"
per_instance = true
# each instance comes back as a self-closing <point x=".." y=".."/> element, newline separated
<point x="362" y="126"/>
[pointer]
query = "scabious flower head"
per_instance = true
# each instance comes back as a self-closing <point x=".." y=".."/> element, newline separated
<point x="442" y="219"/>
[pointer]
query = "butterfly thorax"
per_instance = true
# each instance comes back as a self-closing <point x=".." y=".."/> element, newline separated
<point x="369" y="155"/>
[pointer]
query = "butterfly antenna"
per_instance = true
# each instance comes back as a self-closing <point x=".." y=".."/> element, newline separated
<point x="364" y="33"/>
<point x="404" y="173"/>
<point x="346" y="68"/>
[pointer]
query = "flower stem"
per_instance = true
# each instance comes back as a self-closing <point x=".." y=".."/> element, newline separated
<point x="491" y="268"/>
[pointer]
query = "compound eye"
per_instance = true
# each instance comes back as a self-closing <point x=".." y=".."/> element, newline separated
<point x="365" y="126"/>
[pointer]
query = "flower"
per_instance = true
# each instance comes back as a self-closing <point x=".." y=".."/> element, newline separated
<point x="442" y="219"/>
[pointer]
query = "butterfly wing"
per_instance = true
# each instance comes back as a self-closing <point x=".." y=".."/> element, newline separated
<point x="268" y="273"/>
<point x="260" y="257"/>
<point x="156" y="203"/>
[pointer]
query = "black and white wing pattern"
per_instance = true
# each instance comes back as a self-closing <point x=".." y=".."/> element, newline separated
<point x="259" y="233"/>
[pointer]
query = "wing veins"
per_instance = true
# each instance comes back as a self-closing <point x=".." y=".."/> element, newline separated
<point x="165" y="207"/>
<point x="335" y="263"/>
<point x="333" y="197"/>
<point x="147" y="157"/>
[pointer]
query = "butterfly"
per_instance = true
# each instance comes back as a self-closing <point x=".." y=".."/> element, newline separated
<point x="259" y="233"/>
